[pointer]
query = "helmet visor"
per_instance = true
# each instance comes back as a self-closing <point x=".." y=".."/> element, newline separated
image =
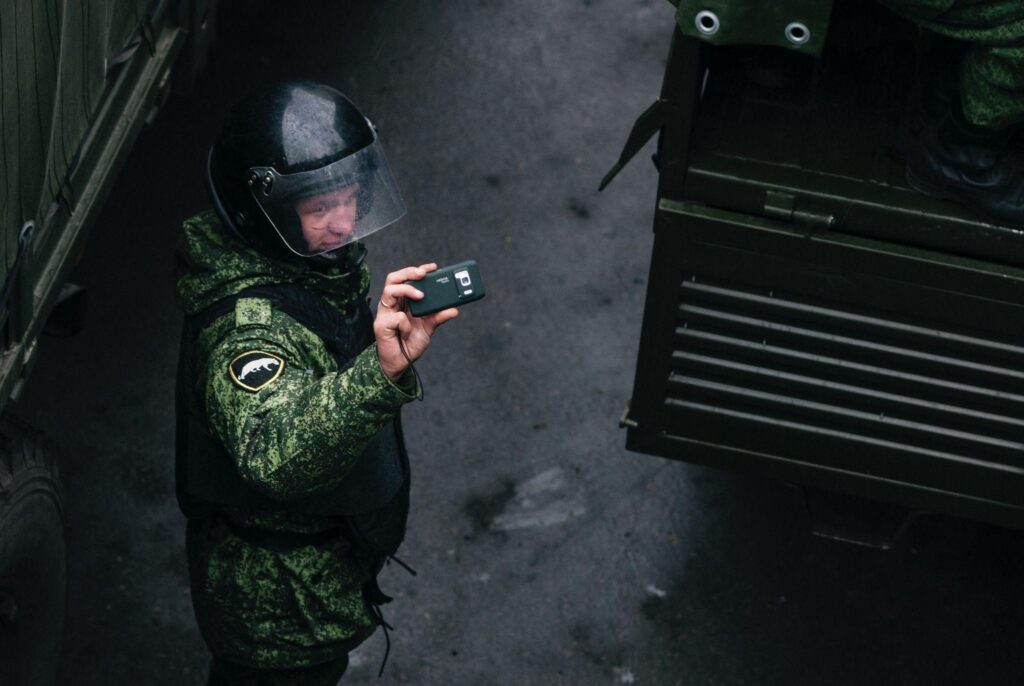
<point x="324" y="209"/>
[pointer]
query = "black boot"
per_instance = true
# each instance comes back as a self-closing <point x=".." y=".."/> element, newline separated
<point x="971" y="165"/>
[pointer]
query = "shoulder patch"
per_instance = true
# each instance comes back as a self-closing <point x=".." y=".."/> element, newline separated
<point x="255" y="369"/>
<point x="252" y="311"/>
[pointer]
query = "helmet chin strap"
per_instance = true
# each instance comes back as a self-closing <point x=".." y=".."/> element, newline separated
<point x="218" y="204"/>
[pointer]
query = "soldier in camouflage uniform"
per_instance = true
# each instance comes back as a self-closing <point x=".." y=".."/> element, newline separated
<point x="966" y="155"/>
<point x="291" y="467"/>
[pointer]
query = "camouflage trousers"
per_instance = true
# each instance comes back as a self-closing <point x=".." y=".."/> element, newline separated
<point x="991" y="81"/>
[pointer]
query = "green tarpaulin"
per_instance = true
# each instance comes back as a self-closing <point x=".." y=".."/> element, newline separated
<point x="55" y="56"/>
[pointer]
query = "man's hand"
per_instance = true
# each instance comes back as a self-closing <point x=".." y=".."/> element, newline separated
<point x="392" y="321"/>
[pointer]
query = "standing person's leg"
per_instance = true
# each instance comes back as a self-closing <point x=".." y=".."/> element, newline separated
<point x="966" y="157"/>
<point x="991" y="81"/>
<point x="992" y="86"/>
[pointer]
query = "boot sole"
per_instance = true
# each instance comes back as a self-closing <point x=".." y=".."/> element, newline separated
<point x="940" y="193"/>
<point x="926" y="188"/>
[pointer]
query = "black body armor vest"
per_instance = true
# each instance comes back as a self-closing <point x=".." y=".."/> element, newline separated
<point x="373" y="498"/>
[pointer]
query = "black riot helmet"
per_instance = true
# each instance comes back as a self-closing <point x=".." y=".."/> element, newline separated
<point x="297" y="170"/>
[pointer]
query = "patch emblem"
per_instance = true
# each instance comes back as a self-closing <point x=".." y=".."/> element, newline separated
<point x="255" y="369"/>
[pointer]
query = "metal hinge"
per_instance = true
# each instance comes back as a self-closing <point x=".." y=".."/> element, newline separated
<point x="625" y="422"/>
<point x="783" y="206"/>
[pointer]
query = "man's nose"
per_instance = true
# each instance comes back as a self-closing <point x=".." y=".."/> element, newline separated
<point x="341" y="223"/>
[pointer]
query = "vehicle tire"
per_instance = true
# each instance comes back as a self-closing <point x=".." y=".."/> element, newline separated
<point x="33" y="560"/>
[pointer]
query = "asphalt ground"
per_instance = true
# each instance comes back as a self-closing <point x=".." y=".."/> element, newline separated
<point x="546" y="553"/>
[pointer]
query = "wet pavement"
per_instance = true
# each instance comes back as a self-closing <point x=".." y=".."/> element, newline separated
<point x="546" y="553"/>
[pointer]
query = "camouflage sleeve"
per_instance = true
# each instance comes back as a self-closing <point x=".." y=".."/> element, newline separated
<point x="298" y="433"/>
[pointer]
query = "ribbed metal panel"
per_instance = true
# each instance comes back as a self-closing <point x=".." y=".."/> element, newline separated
<point x="808" y="317"/>
<point x="766" y="370"/>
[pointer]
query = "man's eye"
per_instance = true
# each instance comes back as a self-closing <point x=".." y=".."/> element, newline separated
<point x="350" y="200"/>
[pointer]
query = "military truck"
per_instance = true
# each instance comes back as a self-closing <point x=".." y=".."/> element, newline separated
<point x="810" y="317"/>
<point x="78" y="83"/>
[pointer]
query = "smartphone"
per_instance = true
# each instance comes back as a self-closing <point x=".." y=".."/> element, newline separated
<point x="451" y="286"/>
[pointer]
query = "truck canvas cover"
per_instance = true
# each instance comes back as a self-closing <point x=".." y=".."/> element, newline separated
<point x="55" y="60"/>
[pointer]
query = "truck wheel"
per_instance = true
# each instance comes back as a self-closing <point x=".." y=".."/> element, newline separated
<point x="33" y="562"/>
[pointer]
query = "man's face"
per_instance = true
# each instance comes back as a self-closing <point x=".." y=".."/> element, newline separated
<point x="328" y="219"/>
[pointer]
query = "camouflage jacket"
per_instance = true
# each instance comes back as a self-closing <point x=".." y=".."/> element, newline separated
<point x="295" y="436"/>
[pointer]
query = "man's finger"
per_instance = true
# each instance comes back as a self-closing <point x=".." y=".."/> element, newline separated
<point x="432" y="321"/>
<point x="406" y="274"/>
<point x="392" y="294"/>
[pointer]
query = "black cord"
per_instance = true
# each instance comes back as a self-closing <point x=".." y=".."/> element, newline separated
<point x="406" y="567"/>
<point x="416" y="374"/>
<point x="378" y="616"/>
